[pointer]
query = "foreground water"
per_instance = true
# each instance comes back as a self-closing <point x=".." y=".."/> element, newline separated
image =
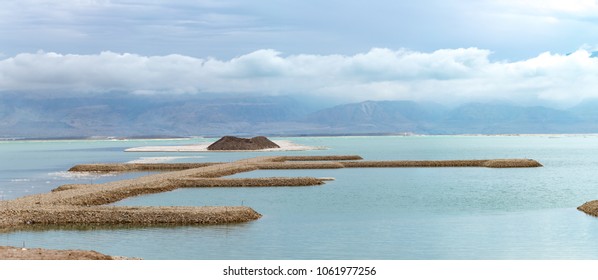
<point x="411" y="213"/>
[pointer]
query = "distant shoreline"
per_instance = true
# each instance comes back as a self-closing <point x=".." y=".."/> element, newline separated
<point x="110" y="138"/>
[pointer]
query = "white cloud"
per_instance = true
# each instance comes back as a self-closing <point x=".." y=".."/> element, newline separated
<point x="446" y="76"/>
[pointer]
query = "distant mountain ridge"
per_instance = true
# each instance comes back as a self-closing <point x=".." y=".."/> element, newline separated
<point x="378" y="116"/>
<point x="136" y="116"/>
<point x="505" y="118"/>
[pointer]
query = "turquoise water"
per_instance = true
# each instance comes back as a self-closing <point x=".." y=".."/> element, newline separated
<point x="386" y="213"/>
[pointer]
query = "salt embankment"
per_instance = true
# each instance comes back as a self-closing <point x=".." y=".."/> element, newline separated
<point x="491" y="163"/>
<point x="85" y="204"/>
<point x="307" y="162"/>
<point x="137" y="167"/>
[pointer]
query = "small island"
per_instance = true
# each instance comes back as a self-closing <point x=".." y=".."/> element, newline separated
<point x="232" y="143"/>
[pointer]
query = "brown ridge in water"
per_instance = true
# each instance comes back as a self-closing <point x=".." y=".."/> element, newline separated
<point x="306" y="162"/>
<point x="136" y="167"/>
<point x="490" y="163"/>
<point x="249" y="182"/>
<point x="321" y="158"/>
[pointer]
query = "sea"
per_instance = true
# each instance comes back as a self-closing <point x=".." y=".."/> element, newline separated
<point x="366" y="213"/>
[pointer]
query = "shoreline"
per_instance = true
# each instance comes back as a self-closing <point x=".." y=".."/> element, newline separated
<point x="183" y="138"/>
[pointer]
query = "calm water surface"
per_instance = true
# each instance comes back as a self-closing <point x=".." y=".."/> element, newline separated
<point x="386" y="213"/>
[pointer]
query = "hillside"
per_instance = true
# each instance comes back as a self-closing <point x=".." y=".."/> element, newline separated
<point x="128" y="115"/>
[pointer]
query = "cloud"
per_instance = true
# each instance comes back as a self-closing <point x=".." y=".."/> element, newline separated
<point x="147" y="27"/>
<point x="446" y="75"/>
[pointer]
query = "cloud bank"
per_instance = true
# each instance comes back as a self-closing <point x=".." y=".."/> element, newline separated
<point x="446" y="76"/>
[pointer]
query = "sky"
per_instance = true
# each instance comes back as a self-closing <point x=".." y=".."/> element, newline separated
<point x="446" y="51"/>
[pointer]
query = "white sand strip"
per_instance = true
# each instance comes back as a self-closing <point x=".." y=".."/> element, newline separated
<point x="285" y="145"/>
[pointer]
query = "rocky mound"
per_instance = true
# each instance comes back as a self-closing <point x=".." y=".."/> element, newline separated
<point x="228" y="143"/>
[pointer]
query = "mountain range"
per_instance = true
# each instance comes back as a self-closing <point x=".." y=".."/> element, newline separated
<point x="127" y="115"/>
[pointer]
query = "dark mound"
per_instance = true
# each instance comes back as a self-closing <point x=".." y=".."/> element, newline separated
<point x="228" y="143"/>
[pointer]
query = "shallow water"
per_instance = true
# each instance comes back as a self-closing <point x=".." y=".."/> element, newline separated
<point x="369" y="213"/>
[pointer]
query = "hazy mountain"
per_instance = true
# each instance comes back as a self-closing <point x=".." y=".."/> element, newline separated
<point x="587" y="110"/>
<point x="507" y="118"/>
<point x="378" y="116"/>
<point x="121" y="114"/>
<point x="141" y="115"/>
